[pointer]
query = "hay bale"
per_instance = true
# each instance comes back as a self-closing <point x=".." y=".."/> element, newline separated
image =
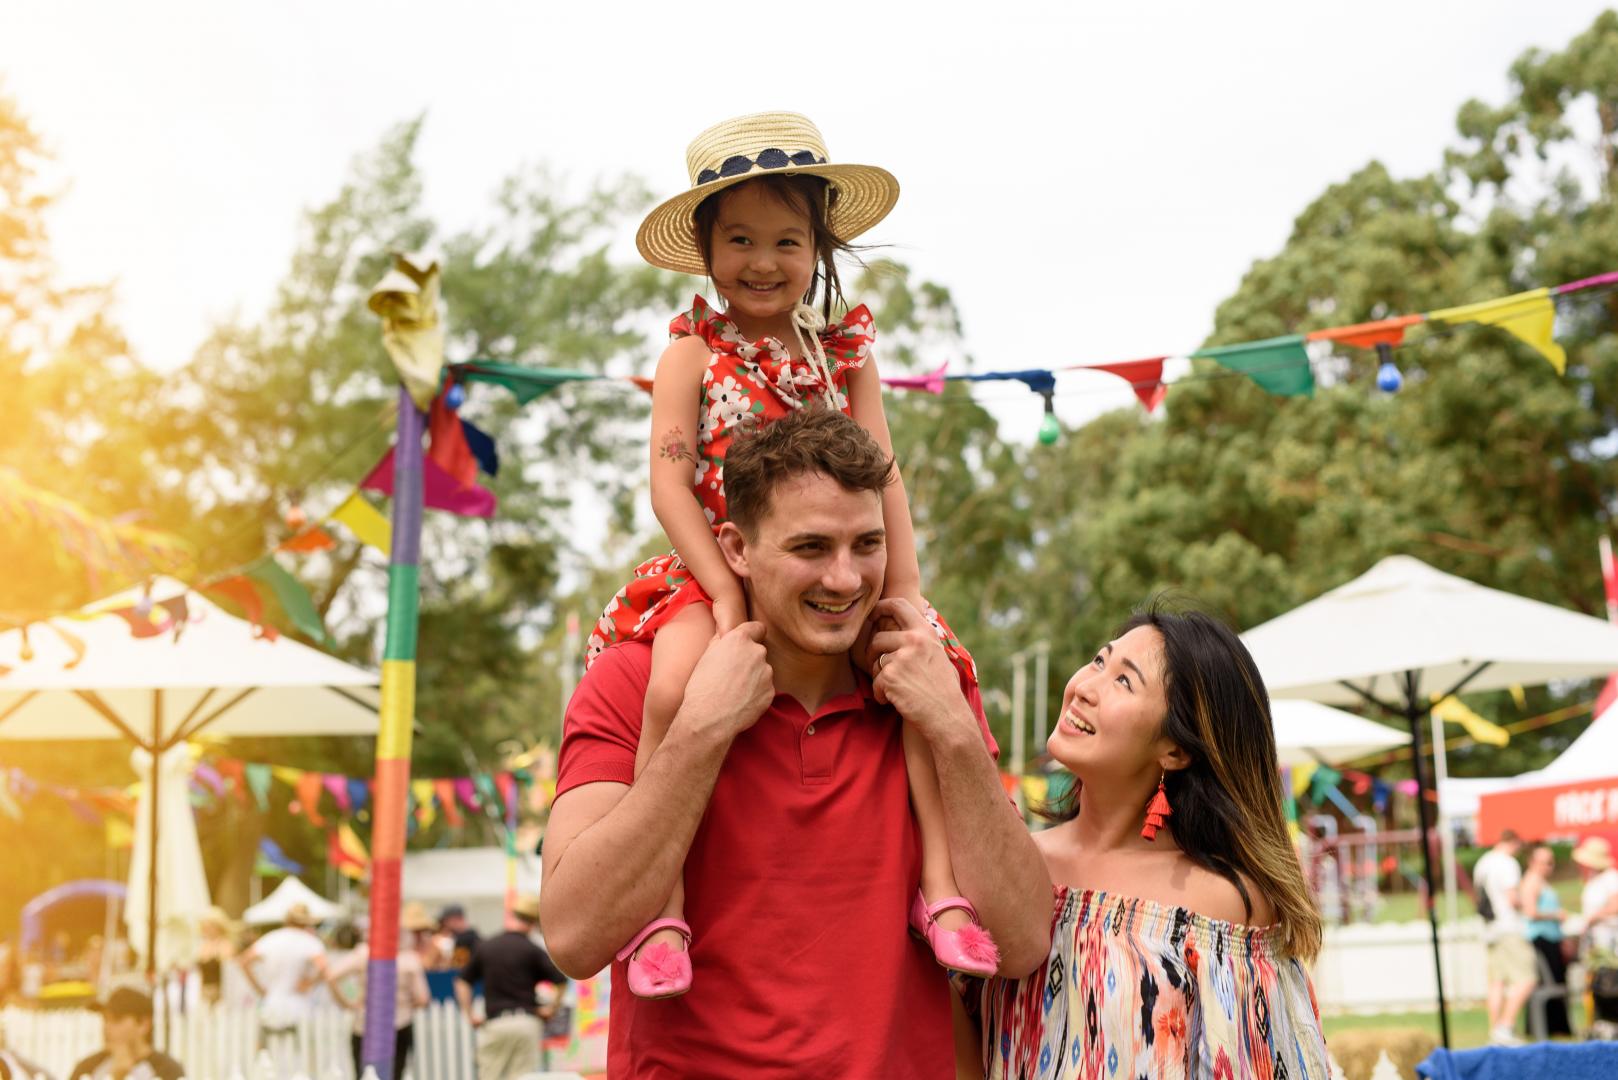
<point x="1357" y="1051"/>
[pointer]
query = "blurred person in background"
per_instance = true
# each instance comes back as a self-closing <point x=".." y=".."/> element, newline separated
<point x="1497" y="879"/>
<point x="126" y="1029"/>
<point x="1542" y="909"/>
<point x="215" y="950"/>
<point x="346" y="977"/>
<point x="284" y="968"/>
<point x="1598" y="912"/>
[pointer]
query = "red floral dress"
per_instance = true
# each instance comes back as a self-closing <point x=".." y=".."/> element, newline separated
<point x="745" y="383"/>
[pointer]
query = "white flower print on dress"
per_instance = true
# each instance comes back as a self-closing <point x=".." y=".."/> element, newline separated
<point x="727" y="404"/>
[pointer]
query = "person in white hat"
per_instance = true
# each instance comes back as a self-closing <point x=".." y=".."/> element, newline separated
<point x="1598" y="912"/>
<point x="764" y="219"/>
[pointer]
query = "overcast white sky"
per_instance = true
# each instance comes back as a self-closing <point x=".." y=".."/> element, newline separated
<point x="1090" y="179"/>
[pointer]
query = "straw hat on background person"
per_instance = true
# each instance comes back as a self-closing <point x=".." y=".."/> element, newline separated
<point x="299" y="915"/>
<point x="745" y="148"/>
<point x="1593" y="853"/>
<point x="414" y="917"/>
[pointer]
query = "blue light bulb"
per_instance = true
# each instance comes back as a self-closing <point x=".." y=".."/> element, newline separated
<point x="1388" y="379"/>
<point x="455" y="396"/>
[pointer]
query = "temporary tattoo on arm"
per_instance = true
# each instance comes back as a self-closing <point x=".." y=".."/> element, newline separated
<point x="674" y="448"/>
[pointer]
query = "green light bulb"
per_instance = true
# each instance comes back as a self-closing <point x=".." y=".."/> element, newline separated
<point x="1049" y="430"/>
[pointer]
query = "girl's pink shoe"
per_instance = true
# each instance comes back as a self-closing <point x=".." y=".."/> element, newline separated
<point x="659" y="971"/>
<point x="970" y="950"/>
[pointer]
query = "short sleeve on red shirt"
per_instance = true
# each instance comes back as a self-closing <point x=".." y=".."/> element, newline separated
<point x="602" y="727"/>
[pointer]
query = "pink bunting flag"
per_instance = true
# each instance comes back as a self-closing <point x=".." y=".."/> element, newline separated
<point x="1145" y="377"/>
<point x="467" y="791"/>
<point x="441" y="491"/>
<point x="1405" y="787"/>
<point x="338" y="786"/>
<point x="930" y="383"/>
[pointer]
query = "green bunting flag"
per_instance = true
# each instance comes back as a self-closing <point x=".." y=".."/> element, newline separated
<point x="294" y="599"/>
<point x="1279" y="365"/>
<point x="525" y="383"/>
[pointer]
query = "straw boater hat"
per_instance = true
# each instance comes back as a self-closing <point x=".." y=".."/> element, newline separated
<point x="415" y="917"/>
<point x="744" y="149"/>
<point x="1593" y="853"/>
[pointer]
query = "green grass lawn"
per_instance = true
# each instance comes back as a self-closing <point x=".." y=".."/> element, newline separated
<point x="1467" y="1027"/>
<point x="1406" y="907"/>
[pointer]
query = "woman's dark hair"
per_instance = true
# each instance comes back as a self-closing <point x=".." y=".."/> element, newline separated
<point x="1227" y="803"/>
<point x="814" y="196"/>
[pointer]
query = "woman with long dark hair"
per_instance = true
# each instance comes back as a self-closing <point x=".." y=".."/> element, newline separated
<point x="1181" y="922"/>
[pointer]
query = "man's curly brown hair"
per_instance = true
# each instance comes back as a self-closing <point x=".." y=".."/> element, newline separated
<point x="813" y="439"/>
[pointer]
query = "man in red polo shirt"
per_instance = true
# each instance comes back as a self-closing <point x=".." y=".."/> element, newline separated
<point x="780" y="792"/>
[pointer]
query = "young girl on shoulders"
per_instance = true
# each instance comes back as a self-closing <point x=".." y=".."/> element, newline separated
<point x="765" y="218"/>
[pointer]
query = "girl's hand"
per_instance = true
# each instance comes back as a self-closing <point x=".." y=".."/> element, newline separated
<point x="729" y="612"/>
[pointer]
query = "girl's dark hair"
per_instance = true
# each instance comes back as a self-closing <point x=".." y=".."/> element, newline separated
<point x="1227" y="804"/>
<point x="814" y="196"/>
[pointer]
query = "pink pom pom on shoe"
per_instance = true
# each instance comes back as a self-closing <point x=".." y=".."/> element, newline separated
<point x="970" y="950"/>
<point x="659" y="971"/>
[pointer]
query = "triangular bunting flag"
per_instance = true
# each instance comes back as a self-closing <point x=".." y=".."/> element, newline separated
<point x="1280" y="365"/>
<point x="366" y="522"/>
<point x="1145" y="377"/>
<point x="1368" y="335"/>
<point x="439" y="489"/>
<point x="294" y="599"/>
<point x="446" y="444"/>
<point x="482" y="447"/>
<point x="1529" y="316"/>
<point x="258" y="782"/>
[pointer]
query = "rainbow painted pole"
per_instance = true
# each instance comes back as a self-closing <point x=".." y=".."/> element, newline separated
<point x="393" y="739"/>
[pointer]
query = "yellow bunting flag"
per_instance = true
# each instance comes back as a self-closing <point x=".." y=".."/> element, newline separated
<point x="407" y="300"/>
<point x="1452" y="711"/>
<point x="1530" y="316"/>
<point x="1301" y="776"/>
<point x="120" y="834"/>
<point x="365" y="522"/>
<point x="1034" y="790"/>
<point x="422" y="790"/>
<point x="286" y="774"/>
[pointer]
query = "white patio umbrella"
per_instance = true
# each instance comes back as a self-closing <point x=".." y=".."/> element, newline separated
<point x="1307" y="732"/>
<point x="183" y="898"/>
<point x="89" y="678"/>
<point x="272" y="910"/>
<point x="1402" y="632"/>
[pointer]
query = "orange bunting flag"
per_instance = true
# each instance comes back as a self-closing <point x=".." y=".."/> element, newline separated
<point x="234" y="770"/>
<point x="445" y="790"/>
<point x="1368" y="335"/>
<point x="309" y="541"/>
<point x="309" y="787"/>
<point x="245" y="594"/>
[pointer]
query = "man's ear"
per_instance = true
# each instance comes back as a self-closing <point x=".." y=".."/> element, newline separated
<point x="733" y="546"/>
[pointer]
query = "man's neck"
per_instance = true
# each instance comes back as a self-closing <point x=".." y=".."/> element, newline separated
<point x="810" y="679"/>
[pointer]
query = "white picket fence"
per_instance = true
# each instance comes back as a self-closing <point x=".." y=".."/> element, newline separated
<point x="222" y="1043"/>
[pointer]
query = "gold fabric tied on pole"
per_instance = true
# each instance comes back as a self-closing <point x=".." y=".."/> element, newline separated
<point x="407" y="300"/>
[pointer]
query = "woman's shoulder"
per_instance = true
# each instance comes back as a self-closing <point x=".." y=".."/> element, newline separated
<point x="1210" y="893"/>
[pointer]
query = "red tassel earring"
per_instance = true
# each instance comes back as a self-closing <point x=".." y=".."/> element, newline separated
<point x="1156" y="811"/>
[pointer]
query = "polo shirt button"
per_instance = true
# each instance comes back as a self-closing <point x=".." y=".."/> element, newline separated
<point x="811" y="730"/>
